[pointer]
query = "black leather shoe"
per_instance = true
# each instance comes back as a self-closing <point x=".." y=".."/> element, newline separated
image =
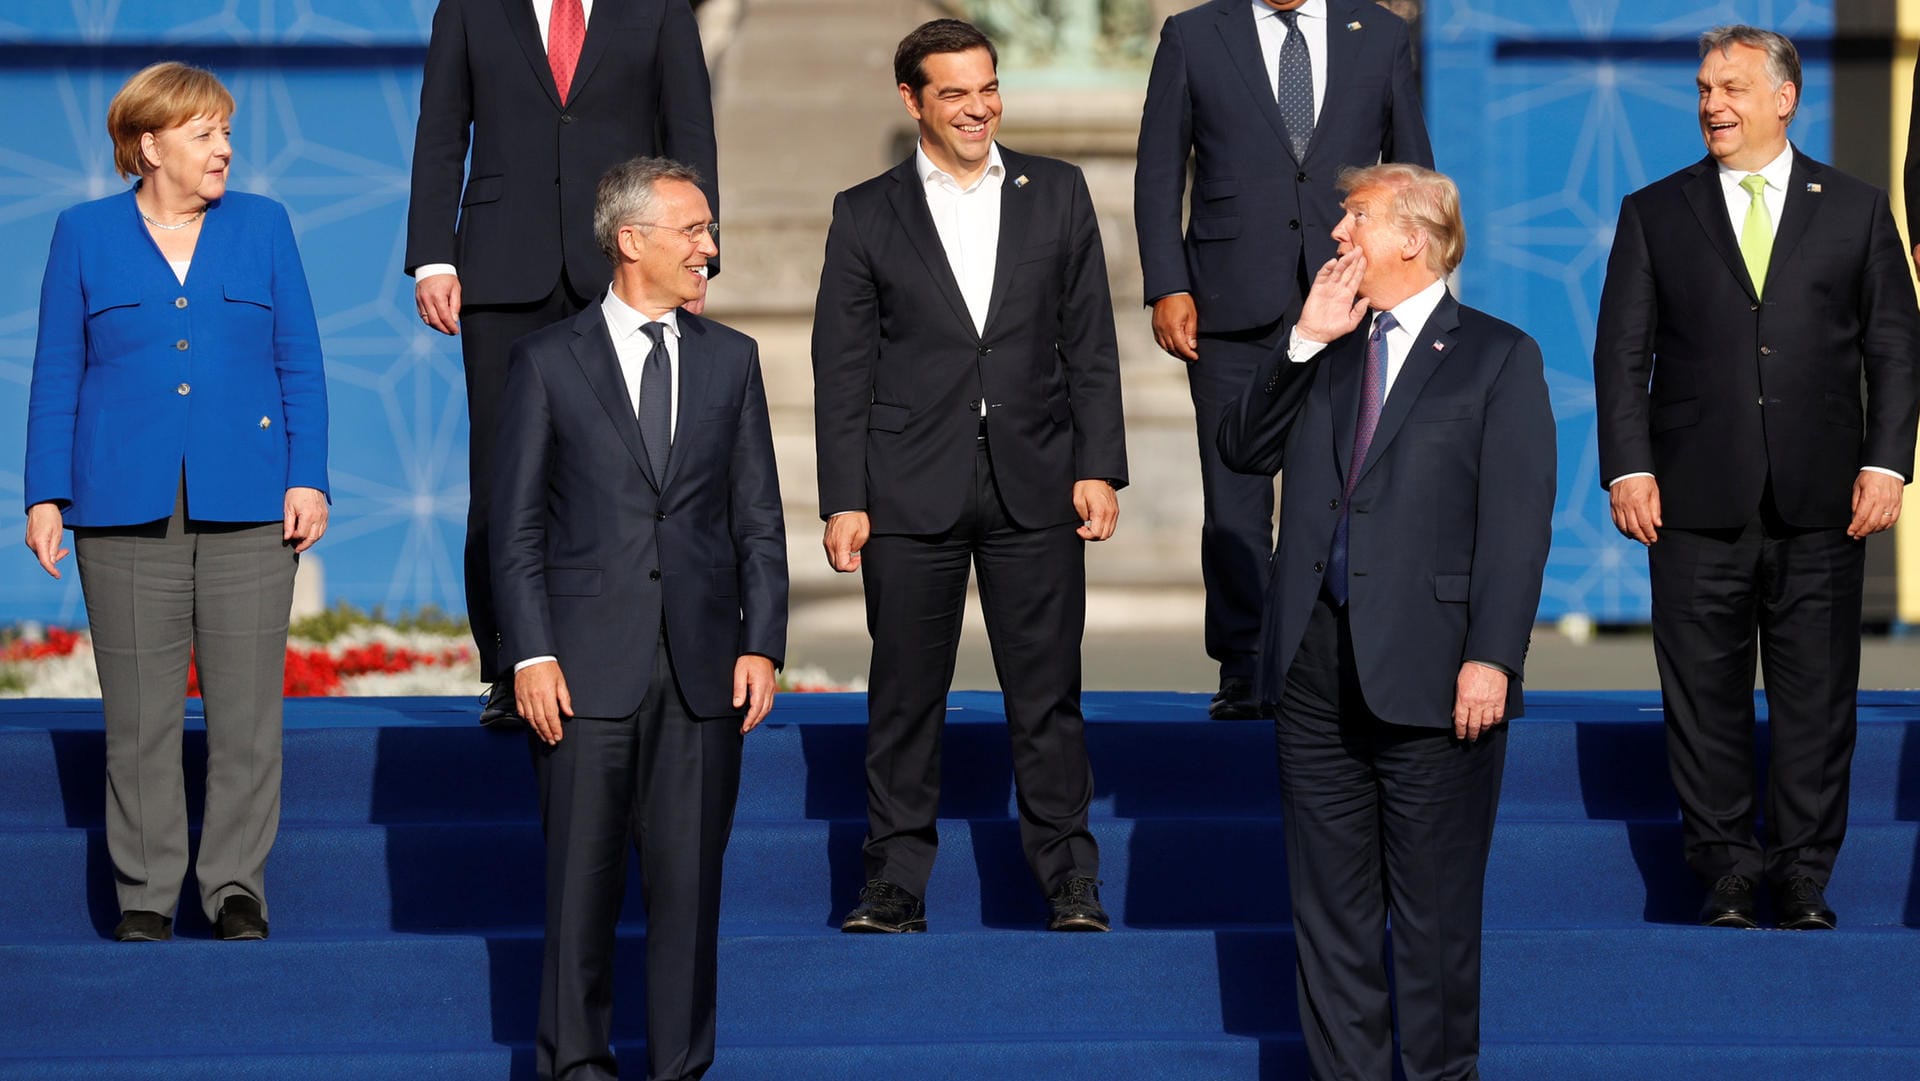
<point x="1798" y="905"/>
<point x="1729" y="904"/>
<point x="1076" y="906"/>
<point x="885" y="909"/>
<point x="139" y="925"/>
<point x="1234" y="701"/>
<point x="239" y="920"/>
<point x="496" y="708"/>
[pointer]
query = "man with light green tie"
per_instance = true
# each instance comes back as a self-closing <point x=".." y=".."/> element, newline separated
<point x="1749" y="298"/>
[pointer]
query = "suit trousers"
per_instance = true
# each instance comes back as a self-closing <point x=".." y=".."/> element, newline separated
<point x="1794" y="596"/>
<point x="1033" y="594"/>
<point x="1236" y="530"/>
<point x="664" y="782"/>
<point x="157" y="595"/>
<point x="487" y="334"/>
<point x="1382" y="820"/>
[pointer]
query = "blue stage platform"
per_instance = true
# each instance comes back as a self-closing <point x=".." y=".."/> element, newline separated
<point x="406" y="906"/>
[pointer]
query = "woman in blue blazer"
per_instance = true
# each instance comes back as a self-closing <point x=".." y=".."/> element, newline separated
<point x="178" y="425"/>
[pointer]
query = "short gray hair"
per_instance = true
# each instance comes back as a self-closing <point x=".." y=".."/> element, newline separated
<point x="625" y="196"/>
<point x="1783" y="60"/>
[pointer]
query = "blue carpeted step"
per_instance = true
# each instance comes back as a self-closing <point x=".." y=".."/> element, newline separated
<point x="1568" y="988"/>
<point x="381" y="762"/>
<point x="1155" y="873"/>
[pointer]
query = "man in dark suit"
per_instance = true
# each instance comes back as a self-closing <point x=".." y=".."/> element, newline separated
<point x="1747" y="296"/>
<point x="1271" y="99"/>
<point x="967" y="411"/>
<point x="642" y="578"/>
<point x="1418" y="447"/>
<point x="547" y="94"/>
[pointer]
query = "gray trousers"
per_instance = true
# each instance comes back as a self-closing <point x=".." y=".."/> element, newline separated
<point x="155" y="592"/>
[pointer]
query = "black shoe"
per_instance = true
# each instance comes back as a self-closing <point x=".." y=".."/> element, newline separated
<point x="1076" y="906"/>
<point x="239" y="920"/>
<point x="496" y="708"/>
<point x="139" y="925"/>
<point x="885" y="909"/>
<point x="1234" y="701"/>
<point x="1729" y="904"/>
<point x="1798" y="905"/>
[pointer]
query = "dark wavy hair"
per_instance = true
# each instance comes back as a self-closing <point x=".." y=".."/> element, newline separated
<point x="938" y="36"/>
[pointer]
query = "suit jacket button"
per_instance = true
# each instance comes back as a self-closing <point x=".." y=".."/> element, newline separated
<point x="973" y="406"/>
<point x="181" y="345"/>
<point x="653" y="576"/>
<point x="180" y="302"/>
<point x="1293" y="223"/>
<point x="183" y="390"/>
<point x="985" y="349"/>
<point x="1319" y="567"/>
<point x="566" y="118"/>
<point x="1753" y="307"/>
<point x="1766" y="350"/>
<point x="1301" y="176"/>
<point x="660" y="516"/>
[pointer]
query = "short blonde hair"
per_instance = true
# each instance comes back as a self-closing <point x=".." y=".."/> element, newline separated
<point x="158" y="97"/>
<point x="1422" y="200"/>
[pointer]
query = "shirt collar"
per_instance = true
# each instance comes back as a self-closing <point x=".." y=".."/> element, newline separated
<point x="1775" y="171"/>
<point x="1312" y="9"/>
<point x="1412" y="314"/>
<point x="927" y="171"/>
<point x="624" y="320"/>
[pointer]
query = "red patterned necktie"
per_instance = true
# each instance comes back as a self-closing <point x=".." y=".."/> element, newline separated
<point x="1373" y="395"/>
<point x="566" y="29"/>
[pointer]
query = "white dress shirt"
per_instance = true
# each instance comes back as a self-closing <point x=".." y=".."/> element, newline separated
<point x="631" y="346"/>
<point x="1313" y="27"/>
<point x="1410" y="318"/>
<point x="968" y="221"/>
<point x="1774" y="195"/>
<point x="543" y="14"/>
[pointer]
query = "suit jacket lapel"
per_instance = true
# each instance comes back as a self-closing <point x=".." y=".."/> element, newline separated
<point x="526" y="30"/>
<point x="909" y="201"/>
<point x="607" y="15"/>
<point x="1709" y="204"/>
<point x="1243" y="47"/>
<point x="1343" y="384"/>
<point x="695" y="373"/>
<point x="1430" y="347"/>
<point x="593" y="351"/>
<point x="1795" y="213"/>
<point x="1016" y="209"/>
<point x="1343" y="55"/>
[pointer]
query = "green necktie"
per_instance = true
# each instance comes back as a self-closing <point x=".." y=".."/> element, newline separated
<point x="1756" y="233"/>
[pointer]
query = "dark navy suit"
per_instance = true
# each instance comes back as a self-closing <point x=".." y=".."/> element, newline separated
<point x="1450" y="520"/>
<point x="646" y="588"/>
<point x="1260" y="224"/>
<point x="504" y="175"/>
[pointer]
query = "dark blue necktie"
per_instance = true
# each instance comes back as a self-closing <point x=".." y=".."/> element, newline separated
<point x="1373" y="395"/>
<point x="1296" y="85"/>
<point x="656" y="400"/>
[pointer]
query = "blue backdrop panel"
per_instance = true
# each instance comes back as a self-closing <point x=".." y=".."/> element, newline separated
<point x="327" y="94"/>
<point x="1548" y="112"/>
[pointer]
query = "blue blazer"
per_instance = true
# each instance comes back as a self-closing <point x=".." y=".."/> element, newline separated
<point x="137" y="376"/>
<point x="1451" y="517"/>
<point x="1254" y="205"/>
<point x="594" y="549"/>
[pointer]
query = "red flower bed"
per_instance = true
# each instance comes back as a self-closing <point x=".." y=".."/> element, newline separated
<point x="317" y="673"/>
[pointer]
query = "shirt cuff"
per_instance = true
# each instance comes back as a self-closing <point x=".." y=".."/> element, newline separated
<point x="1624" y="476"/>
<point x="1495" y="665"/>
<point x="1888" y="472"/>
<point x="530" y="661"/>
<point x="427" y="270"/>
<point x="1300" y="350"/>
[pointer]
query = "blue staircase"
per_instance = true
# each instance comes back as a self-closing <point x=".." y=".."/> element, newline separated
<point x="406" y="904"/>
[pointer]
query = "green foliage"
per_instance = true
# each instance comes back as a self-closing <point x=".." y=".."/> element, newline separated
<point x="324" y="627"/>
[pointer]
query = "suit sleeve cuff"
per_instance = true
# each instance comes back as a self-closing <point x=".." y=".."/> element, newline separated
<point x="531" y="661"/>
<point x="427" y="270"/>
<point x="1624" y="476"/>
<point x="1887" y="472"/>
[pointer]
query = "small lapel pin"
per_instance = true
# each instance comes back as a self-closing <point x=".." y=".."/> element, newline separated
<point x="1354" y="25"/>
<point x="1437" y="347"/>
<point x="1814" y="188"/>
<point x="1020" y="181"/>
